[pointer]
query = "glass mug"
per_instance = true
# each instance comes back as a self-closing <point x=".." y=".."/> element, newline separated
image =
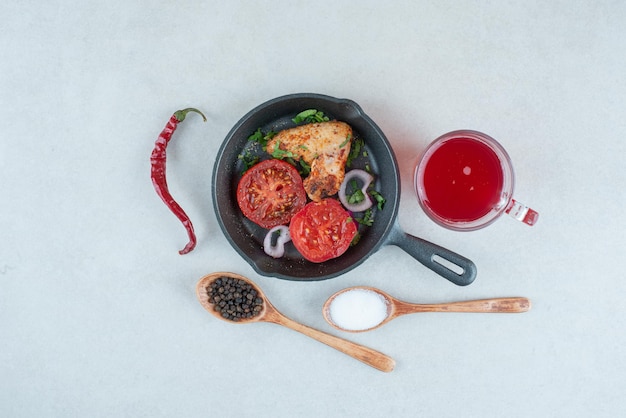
<point x="464" y="181"/>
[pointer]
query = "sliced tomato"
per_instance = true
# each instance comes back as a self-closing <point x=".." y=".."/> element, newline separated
<point x="322" y="230"/>
<point x="270" y="193"/>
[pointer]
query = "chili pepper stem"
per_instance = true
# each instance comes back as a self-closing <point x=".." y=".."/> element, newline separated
<point x="181" y="114"/>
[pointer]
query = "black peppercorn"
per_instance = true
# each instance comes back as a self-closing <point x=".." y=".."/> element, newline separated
<point x="234" y="299"/>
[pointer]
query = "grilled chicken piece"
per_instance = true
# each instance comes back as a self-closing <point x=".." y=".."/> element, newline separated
<point x="324" y="146"/>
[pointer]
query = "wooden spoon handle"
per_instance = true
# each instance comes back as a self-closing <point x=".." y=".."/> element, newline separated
<point x="496" y="305"/>
<point x="367" y="355"/>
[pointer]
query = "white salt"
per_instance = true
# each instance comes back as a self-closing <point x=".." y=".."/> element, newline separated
<point x="358" y="309"/>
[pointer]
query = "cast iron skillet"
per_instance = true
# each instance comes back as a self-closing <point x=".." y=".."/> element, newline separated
<point x="247" y="238"/>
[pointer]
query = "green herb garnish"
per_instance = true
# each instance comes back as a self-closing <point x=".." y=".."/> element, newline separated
<point x="355" y="151"/>
<point x="357" y="195"/>
<point x="345" y="142"/>
<point x="356" y="239"/>
<point x="310" y="116"/>
<point x="305" y="169"/>
<point x="367" y="218"/>
<point x="281" y="153"/>
<point x="259" y="137"/>
<point x="291" y="161"/>
<point x="380" y="200"/>
<point x="248" y="160"/>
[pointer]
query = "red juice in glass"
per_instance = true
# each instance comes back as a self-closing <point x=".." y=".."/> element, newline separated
<point x="464" y="181"/>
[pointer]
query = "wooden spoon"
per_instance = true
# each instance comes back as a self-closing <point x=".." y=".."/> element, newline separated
<point x="396" y="307"/>
<point x="269" y="313"/>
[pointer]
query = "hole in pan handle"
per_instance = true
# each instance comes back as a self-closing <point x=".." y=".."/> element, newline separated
<point x="450" y="265"/>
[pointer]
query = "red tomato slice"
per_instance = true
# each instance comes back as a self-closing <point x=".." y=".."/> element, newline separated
<point x="270" y="193"/>
<point x="322" y="230"/>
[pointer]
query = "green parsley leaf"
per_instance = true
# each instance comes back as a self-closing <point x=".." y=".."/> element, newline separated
<point x="345" y="142"/>
<point x="367" y="219"/>
<point x="310" y="116"/>
<point x="269" y="135"/>
<point x="280" y="153"/>
<point x="355" y="151"/>
<point x="248" y="160"/>
<point x="380" y="200"/>
<point x="355" y="240"/>
<point x="355" y="195"/>
<point x="291" y="161"/>
<point x="305" y="169"/>
<point x="301" y="117"/>
<point x="259" y="137"/>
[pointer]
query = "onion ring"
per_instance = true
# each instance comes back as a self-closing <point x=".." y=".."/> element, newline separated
<point x="366" y="178"/>
<point x="277" y="250"/>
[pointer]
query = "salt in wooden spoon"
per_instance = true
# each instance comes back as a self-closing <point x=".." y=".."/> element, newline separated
<point x="270" y="314"/>
<point x="396" y="307"/>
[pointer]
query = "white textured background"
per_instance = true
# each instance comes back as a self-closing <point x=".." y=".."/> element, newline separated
<point x="98" y="316"/>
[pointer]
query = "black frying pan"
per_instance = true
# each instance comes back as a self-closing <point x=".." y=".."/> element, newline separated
<point x="247" y="238"/>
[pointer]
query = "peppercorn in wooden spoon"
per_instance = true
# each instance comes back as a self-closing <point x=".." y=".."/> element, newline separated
<point x="234" y="298"/>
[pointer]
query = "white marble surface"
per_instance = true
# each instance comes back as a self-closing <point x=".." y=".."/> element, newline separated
<point x="98" y="316"/>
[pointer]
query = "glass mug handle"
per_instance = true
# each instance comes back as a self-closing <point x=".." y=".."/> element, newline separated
<point x="522" y="212"/>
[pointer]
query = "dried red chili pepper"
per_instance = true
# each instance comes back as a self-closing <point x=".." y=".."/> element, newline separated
<point x="157" y="160"/>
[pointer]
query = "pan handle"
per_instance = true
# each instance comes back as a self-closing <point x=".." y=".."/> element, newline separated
<point x="450" y="265"/>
